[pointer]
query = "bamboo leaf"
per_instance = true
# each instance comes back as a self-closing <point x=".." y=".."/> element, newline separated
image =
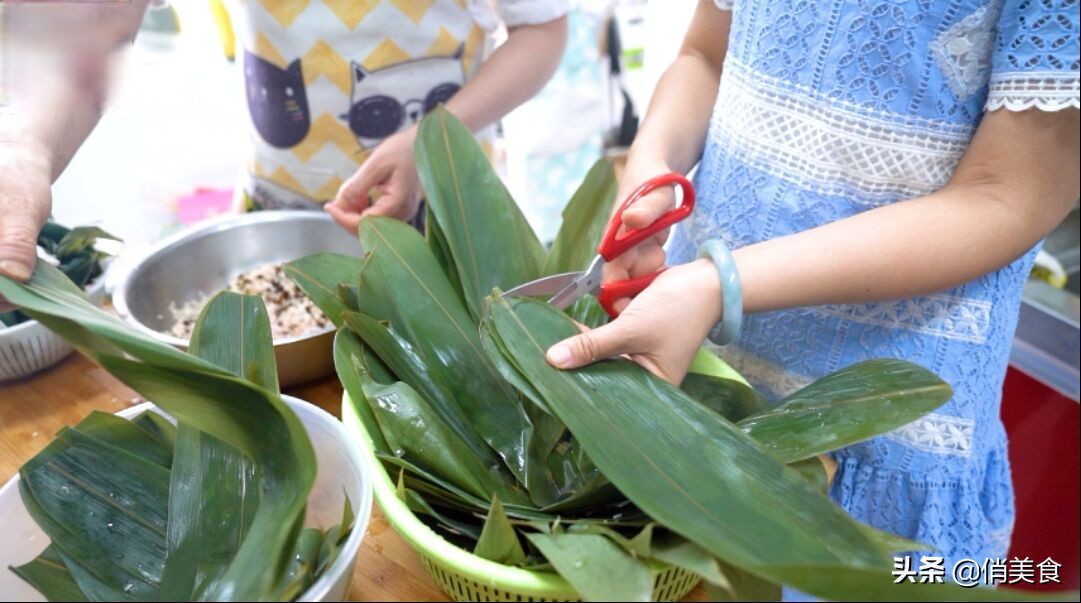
<point x="584" y="219"/>
<point x="498" y="540"/>
<point x="50" y="577"/>
<point x="301" y="569"/>
<point x="664" y="452"/>
<point x="116" y="531"/>
<point x="680" y="552"/>
<point x="350" y="360"/>
<point x="729" y="398"/>
<point x="599" y="569"/>
<point x="740" y="585"/>
<point x="849" y="406"/>
<point x="486" y="234"/>
<point x="214" y="491"/>
<point x="195" y="391"/>
<point x="417" y="504"/>
<point x="319" y="277"/>
<point x="405" y="361"/>
<point x="403" y="278"/>
<point x="414" y="430"/>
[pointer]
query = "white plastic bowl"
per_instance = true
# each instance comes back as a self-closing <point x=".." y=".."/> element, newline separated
<point x="29" y="347"/>
<point x="340" y="472"/>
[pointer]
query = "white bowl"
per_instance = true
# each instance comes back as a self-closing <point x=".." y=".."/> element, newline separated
<point x="340" y="472"/>
<point x="29" y="347"/>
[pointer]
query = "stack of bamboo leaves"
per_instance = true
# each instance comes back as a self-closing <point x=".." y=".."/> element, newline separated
<point x="209" y="509"/>
<point x="600" y="472"/>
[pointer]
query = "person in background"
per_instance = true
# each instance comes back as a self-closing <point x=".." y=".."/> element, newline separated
<point x="334" y="91"/>
<point x="884" y="173"/>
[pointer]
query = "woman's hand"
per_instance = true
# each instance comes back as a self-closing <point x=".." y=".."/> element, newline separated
<point x="25" y="202"/>
<point x="661" y="329"/>
<point x="392" y="172"/>
<point x="648" y="256"/>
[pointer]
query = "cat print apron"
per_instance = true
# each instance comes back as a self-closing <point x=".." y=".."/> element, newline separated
<point x="327" y="80"/>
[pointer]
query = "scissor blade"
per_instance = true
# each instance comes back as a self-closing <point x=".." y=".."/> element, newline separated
<point x="587" y="282"/>
<point x="548" y="285"/>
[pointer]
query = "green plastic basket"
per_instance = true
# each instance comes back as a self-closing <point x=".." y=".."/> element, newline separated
<point x="462" y="575"/>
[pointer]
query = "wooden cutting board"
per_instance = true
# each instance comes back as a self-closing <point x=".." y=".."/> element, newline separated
<point x="33" y="409"/>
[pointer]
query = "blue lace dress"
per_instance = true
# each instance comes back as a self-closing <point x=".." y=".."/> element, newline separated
<point x="829" y="108"/>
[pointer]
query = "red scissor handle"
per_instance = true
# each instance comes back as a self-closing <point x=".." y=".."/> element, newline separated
<point x="613" y="245"/>
<point x="613" y="292"/>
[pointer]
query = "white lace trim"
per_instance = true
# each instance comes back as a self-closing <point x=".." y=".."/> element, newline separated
<point x="724" y="4"/>
<point x="763" y="373"/>
<point x="939" y="434"/>
<point x="947" y="316"/>
<point x="1046" y="91"/>
<point x="831" y="147"/>
<point x="963" y="52"/>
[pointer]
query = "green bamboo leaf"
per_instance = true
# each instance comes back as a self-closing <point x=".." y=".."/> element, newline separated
<point x="257" y="422"/>
<point x="404" y="279"/>
<point x="485" y="233"/>
<point x="350" y="360"/>
<point x="233" y="332"/>
<point x="498" y="540"/>
<point x="159" y="428"/>
<point x="740" y="585"/>
<point x="584" y="219"/>
<point x="52" y="299"/>
<point x="849" y="406"/>
<point x="419" y="505"/>
<point x="50" y="577"/>
<point x="301" y="569"/>
<point x="405" y="361"/>
<point x="197" y="392"/>
<point x="320" y="275"/>
<point x="335" y="537"/>
<point x="729" y="398"/>
<point x="665" y="452"/>
<point x="127" y="435"/>
<point x="599" y="569"/>
<point x="437" y="241"/>
<point x="414" y="430"/>
<point x="116" y="531"/>
<point x="680" y="552"/>
<point x="214" y="491"/>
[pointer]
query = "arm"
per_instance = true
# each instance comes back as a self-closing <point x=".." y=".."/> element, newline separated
<point x="1017" y="180"/>
<point x="516" y="71"/>
<point x="673" y="133"/>
<point x="50" y="117"/>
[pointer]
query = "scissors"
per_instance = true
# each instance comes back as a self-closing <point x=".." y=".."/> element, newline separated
<point x="569" y="287"/>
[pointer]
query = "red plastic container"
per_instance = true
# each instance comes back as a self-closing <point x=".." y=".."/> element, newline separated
<point x="1044" y="431"/>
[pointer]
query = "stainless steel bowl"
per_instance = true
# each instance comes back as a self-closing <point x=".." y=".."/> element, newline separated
<point x="204" y="259"/>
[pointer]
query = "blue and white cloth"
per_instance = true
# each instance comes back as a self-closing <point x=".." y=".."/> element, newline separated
<point x="830" y="108"/>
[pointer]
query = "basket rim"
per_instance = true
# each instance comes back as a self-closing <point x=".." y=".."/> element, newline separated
<point x="430" y="544"/>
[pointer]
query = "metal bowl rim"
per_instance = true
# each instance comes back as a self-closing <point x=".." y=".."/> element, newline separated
<point x="204" y="229"/>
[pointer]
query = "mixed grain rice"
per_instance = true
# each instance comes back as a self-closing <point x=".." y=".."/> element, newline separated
<point x="291" y="312"/>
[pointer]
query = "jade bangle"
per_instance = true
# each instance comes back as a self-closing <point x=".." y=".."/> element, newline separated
<point x="726" y="331"/>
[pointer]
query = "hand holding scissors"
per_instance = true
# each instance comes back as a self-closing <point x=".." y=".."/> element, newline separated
<point x="569" y="287"/>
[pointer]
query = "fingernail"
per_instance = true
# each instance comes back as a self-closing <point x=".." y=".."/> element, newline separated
<point x="560" y="356"/>
<point x="16" y="270"/>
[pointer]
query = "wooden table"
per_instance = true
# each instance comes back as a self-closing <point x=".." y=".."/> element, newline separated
<point x="33" y="409"/>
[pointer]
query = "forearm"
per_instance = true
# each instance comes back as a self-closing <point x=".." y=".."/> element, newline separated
<point x="898" y="251"/>
<point x="675" y="125"/>
<point x="515" y="72"/>
<point x="1017" y="181"/>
